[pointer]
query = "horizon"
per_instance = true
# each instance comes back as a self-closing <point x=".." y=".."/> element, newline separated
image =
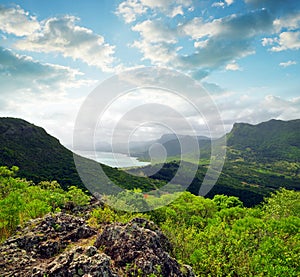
<point x="245" y="55"/>
<point x="70" y="147"/>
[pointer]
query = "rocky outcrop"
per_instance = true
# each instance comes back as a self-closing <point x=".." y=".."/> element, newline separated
<point x="40" y="240"/>
<point x="140" y="248"/>
<point x="64" y="245"/>
<point x="79" y="261"/>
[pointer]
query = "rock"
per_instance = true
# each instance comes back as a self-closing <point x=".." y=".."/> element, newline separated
<point x="77" y="262"/>
<point x="41" y="239"/>
<point x="61" y="245"/>
<point x="139" y="248"/>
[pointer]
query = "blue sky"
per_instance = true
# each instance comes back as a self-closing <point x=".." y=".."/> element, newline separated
<point x="246" y="53"/>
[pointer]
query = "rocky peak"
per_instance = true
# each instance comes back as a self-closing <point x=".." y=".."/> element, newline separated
<point x="64" y="245"/>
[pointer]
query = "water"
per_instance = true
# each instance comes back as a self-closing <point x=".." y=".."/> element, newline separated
<point x="112" y="159"/>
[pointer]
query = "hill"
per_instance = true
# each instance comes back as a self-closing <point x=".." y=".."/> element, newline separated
<point x="269" y="141"/>
<point x="40" y="156"/>
<point x="260" y="159"/>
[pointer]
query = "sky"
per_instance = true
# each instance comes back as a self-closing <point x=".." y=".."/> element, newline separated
<point x="54" y="53"/>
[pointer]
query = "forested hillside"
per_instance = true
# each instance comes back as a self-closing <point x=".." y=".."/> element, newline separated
<point x="270" y="141"/>
<point x="260" y="159"/>
<point x="216" y="237"/>
<point x="40" y="157"/>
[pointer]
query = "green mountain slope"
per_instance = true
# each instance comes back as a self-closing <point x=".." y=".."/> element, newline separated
<point x="269" y="141"/>
<point x="40" y="156"/>
<point x="260" y="159"/>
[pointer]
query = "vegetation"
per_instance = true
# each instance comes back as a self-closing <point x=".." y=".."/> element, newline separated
<point x="217" y="237"/>
<point x="270" y="141"/>
<point x="22" y="200"/>
<point x="260" y="159"/>
<point x="250" y="182"/>
<point x="248" y="225"/>
<point x="41" y="157"/>
<point x="220" y="237"/>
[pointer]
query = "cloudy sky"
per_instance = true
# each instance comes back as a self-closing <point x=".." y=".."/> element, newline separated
<point x="53" y="53"/>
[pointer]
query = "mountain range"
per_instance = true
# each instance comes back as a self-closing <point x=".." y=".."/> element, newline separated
<point x="266" y="142"/>
<point x="260" y="158"/>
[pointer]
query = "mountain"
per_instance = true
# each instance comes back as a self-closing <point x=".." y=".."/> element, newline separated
<point x="268" y="141"/>
<point x="40" y="156"/>
<point x="260" y="159"/>
<point x="171" y="142"/>
<point x="173" y="145"/>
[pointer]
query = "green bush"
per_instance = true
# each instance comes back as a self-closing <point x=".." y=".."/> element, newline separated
<point x="21" y="200"/>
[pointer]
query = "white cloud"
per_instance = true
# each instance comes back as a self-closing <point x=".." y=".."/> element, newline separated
<point x="158" y="53"/>
<point x="157" y="42"/>
<point x="164" y="5"/>
<point x="247" y="108"/>
<point x="233" y="66"/>
<point x="130" y="9"/>
<point x="216" y="42"/>
<point x="267" y="41"/>
<point x="289" y="22"/>
<point x="201" y="43"/>
<point x="197" y="28"/>
<point x="56" y="114"/>
<point x="218" y="5"/>
<point x="17" y="22"/>
<point x="39" y="92"/>
<point x="155" y="31"/>
<point x="216" y="53"/>
<point x="288" y="63"/>
<point x="286" y="41"/>
<point x="21" y="75"/>
<point x="177" y="11"/>
<point x="62" y="35"/>
<point x="231" y="27"/>
<point x="281" y="108"/>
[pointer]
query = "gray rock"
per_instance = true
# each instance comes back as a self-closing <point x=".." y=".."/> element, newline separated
<point x="39" y="240"/>
<point x="58" y="245"/>
<point x="77" y="262"/>
<point x="140" y="248"/>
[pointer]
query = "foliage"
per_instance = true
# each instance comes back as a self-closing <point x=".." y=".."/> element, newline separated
<point x="270" y="141"/>
<point x="106" y="215"/>
<point x="250" y="182"/>
<point x="21" y="200"/>
<point x="41" y="157"/>
<point x="225" y="202"/>
<point x="221" y="238"/>
<point x="217" y="237"/>
<point x="282" y="204"/>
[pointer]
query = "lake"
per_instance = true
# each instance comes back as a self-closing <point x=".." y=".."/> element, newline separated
<point x="112" y="159"/>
